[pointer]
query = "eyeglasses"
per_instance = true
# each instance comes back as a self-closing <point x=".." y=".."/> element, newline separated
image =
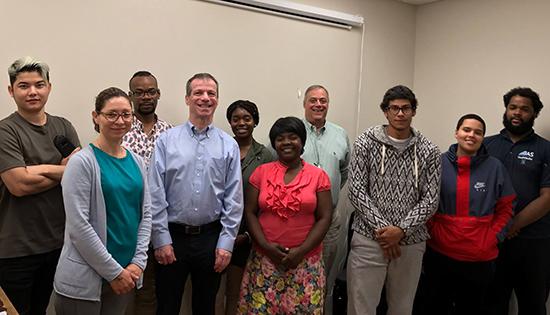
<point x="113" y="116"/>
<point x="394" y="109"/>
<point x="140" y="93"/>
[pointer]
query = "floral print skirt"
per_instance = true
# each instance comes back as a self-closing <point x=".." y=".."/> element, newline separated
<point x="268" y="289"/>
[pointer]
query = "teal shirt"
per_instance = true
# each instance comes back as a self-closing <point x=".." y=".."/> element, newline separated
<point x="122" y="187"/>
<point x="330" y="151"/>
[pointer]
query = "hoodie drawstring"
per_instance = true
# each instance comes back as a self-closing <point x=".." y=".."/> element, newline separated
<point x="382" y="169"/>
<point x="415" y="168"/>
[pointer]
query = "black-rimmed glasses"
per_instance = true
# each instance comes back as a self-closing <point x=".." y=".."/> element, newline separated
<point x="394" y="109"/>
<point x="141" y="93"/>
<point x="113" y="116"/>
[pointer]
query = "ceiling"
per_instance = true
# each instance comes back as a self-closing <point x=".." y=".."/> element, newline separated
<point x="418" y="2"/>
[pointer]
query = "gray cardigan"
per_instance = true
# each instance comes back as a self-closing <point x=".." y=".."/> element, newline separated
<point x="85" y="262"/>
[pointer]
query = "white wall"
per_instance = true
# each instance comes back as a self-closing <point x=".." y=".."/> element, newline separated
<point x="469" y="53"/>
<point x="255" y="56"/>
<point x="458" y="55"/>
<point x="93" y="45"/>
<point x="388" y="57"/>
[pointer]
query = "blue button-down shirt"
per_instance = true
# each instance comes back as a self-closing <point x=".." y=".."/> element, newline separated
<point x="195" y="179"/>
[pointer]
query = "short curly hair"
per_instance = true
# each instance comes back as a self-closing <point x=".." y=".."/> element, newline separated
<point x="527" y="93"/>
<point x="396" y="93"/>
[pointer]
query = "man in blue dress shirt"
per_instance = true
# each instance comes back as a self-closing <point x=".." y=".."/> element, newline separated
<point x="197" y="202"/>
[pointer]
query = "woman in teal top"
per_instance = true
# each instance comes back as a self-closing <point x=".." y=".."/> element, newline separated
<point x="108" y="217"/>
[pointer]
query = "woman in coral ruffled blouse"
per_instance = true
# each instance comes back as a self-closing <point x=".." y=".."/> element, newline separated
<point x="288" y="212"/>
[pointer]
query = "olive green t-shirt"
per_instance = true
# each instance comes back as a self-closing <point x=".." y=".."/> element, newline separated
<point x="31" y="224"/>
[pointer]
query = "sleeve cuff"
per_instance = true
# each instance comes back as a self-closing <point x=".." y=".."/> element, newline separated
<point x="141" y="264"/>
<point x="225" y="243"/>
<point x="404" y="229"/>
<point x="161" y="239"/>
<point x="113" y="276"/>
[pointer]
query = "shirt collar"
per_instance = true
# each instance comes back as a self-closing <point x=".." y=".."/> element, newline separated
<point x="504" y="133"/>
<point x="256" y="147"/>
<point x="312" y="128"/>
<point x="138" y="124"/>
<point x="194" y="131"/>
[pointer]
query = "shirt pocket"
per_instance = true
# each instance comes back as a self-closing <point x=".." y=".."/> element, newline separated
<point x="217" y="168"/>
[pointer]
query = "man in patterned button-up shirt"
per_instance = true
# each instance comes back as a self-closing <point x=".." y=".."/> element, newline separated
<point x="146" y="127"/>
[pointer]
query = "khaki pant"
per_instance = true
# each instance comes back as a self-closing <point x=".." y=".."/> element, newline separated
<point x="334" y="251"/>
<point x="368" y="271"/>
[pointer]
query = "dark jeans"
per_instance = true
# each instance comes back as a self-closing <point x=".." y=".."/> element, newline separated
<point x="455" y="287"/>
<point x="523" y="266"/>
<point x="195" y="255"/>
<point x="28" y="281"/>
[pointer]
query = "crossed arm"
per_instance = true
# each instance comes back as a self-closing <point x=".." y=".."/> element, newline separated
<point x="23" y="181"/>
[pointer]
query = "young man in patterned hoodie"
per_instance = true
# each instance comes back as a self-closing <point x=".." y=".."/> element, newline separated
<point x="394" y="187"/>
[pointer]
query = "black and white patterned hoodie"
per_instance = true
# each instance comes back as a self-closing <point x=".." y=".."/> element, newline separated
<point x="395" y="187"/>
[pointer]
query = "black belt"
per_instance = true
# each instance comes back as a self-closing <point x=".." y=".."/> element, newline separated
<point x="194" y="229"/>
